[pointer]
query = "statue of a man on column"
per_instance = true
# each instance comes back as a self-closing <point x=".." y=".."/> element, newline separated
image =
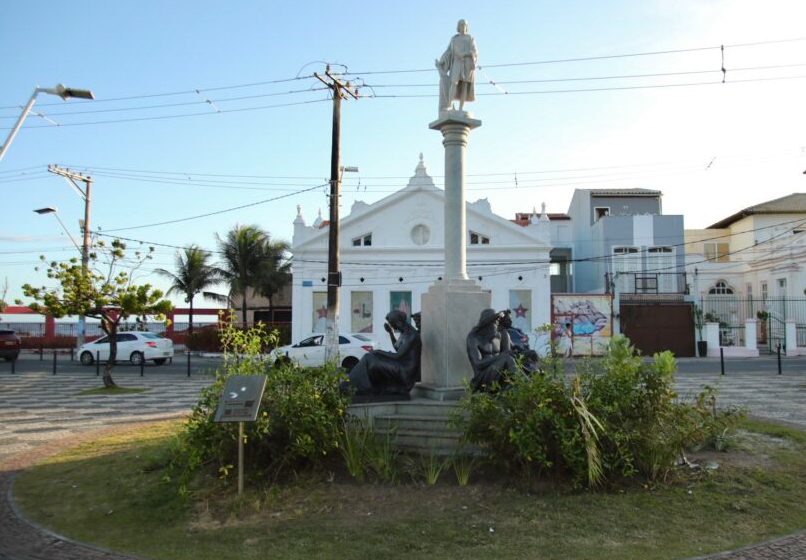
<point x="457" y="70"/>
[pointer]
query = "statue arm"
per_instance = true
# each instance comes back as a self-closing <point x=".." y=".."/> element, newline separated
<point x="506" y="344"/>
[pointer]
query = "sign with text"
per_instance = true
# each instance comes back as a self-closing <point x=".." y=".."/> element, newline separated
<point x="240" y="400"/>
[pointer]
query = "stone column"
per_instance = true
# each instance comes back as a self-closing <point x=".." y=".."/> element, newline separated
<point x="455" y="127"/>
<point x="791" y="337"/>
<point x="452" y="307"/>
<point x="750" y="334"/>
<point x="712" y="336"/>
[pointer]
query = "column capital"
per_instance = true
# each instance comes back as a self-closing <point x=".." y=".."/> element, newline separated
<point x="462" y="118"/>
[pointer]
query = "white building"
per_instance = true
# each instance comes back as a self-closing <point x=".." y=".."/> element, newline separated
<point x="752" y="265"/>
<point x="392" y="251"/>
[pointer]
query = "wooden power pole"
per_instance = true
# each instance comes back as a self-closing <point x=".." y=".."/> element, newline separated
<point x="339" y="90"/>
<point x="85" y="194"/>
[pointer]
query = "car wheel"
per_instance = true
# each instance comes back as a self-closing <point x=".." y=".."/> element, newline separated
<point x="349" y="363"/>
<point x="160" y="361"/>
<point x="136" y="358"/>
<point x="86" y="358"/>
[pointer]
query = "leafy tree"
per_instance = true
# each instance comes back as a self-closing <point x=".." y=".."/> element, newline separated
<point x="193" y="274"/>
<point x="275" y="270"/>
<point x="242" y="251"/>
<point x="102" y="291"/>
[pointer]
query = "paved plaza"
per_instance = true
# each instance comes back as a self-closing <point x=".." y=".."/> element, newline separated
<point x="40" y="413"/>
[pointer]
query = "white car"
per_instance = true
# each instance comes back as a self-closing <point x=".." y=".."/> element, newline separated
<point x="134" y="346"/>
<point x="311" y="351"/>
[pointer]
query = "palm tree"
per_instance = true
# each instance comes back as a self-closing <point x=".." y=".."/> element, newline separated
<point x="193" y="274"/>
<point x="275" y="270"/>
<point x="242" y="251"/>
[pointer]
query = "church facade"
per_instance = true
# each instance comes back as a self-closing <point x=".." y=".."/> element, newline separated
<point x="391" y="251"/>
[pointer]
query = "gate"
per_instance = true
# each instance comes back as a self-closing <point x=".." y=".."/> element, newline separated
<point x="658" y="327"/>
<point x="731" y="312"/>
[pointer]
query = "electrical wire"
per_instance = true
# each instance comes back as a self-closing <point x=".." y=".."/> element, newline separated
<point x="171" y="93"/>
<point x="217" y="212"/>
<point x="177" y="116"/>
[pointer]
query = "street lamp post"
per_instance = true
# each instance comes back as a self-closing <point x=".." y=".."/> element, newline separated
<point x="60" y="90"/>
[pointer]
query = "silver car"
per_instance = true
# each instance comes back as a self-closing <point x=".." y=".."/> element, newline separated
<point x="134" y="346"/>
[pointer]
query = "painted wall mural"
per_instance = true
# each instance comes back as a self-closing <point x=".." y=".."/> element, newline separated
<point x="400" y="301"/>
<point x="361" y="308"/>
<point x="520" y="303"/>
<point x="319" y="312"/>
<point x="582" y="323"/>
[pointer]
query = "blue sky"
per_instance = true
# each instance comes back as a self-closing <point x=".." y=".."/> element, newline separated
<point x="752" y="133"/>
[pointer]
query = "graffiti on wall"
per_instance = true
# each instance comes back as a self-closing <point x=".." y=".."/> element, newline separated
<point x="582" y="324"/>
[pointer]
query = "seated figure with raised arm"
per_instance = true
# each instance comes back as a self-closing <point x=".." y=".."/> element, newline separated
<point x="489" y="351"/>
<point x="389" y="373"/>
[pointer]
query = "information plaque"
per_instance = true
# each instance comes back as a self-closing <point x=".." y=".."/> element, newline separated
<point x="240" y="400"/>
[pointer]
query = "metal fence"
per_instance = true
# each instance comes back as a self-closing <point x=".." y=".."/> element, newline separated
<point x="771" y="314"/>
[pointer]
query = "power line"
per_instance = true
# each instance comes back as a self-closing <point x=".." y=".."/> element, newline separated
<point x="612" y="77"/>
<point x="177" y="116"/>
<point x="217" y="212"/>
<point x="98" y="169"/>
<point x="171" y="93"/>
<point x="185" y="103"/>
<point x="587" y="90"/>
<point x="422" y="262"/>
<point x="589" y="58"/>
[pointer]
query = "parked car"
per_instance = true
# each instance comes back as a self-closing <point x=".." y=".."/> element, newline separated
<point x="134" y="346"/>
<point x="9" y="345"/>
<point x="311" y="351"/>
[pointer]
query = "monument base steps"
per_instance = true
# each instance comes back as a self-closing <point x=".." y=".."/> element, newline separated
<point x="420" y="425"/>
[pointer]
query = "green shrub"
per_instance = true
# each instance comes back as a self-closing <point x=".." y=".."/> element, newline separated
<point x="619" y="417"/>
<point x="300" y="423"/>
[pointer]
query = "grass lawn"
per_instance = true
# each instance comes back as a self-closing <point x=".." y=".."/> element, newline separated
<point x="110" y="493"/>
<point x="117" y="390"/>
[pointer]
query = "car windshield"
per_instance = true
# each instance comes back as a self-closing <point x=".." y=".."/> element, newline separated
<point x="362" y="337"/>
<point x="150" y="335"/>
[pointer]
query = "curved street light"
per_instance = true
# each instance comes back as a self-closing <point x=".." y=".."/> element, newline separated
<point x="60" y="90"/>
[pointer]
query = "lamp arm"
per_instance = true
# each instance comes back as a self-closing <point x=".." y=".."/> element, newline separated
<point x="18" y="124"/>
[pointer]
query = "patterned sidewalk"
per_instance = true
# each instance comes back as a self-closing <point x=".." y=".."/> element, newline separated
<point x="41" y="414"/>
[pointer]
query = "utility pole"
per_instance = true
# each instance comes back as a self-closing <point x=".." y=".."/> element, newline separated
<point x="338" y="90"/>
<point x="72" y="177"/>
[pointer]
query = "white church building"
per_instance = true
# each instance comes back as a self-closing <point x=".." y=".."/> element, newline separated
<point x="392" y="251"/>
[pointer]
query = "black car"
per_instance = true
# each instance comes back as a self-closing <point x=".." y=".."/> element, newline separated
<point x="9" y="345"/>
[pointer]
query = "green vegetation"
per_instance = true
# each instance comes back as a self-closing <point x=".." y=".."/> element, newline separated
<point x="321" y="484"/>
<point x="618" y="418"/>
<point x="102" y="290"/>
<point x="116" y="390"/>
<point x="114" y="496"/>
<point x="194" y="274"/>
<point x="299" y="426"/>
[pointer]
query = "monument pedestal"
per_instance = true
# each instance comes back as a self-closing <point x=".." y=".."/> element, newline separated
<point x="449" y="311"/>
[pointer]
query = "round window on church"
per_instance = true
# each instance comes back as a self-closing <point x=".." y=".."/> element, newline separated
<point x="420" y="234"/>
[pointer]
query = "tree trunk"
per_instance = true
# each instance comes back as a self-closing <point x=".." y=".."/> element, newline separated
<point x="243" y="309"/>
<point x="112" y="332"/>
<point x="190" y="328"/>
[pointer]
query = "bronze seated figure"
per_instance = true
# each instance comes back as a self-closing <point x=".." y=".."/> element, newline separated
<point x="491" y="354"/>
<point x="389" y="373"/>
